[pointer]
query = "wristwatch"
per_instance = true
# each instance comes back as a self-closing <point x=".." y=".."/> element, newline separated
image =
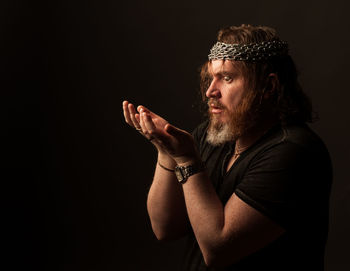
<point x="183" y="172"/>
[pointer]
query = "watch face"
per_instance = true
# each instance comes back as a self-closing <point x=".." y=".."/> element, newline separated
<point x="182" y="173"/>
<point x="178" y="174"/>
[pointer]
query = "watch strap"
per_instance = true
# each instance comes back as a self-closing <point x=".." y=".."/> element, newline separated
<point x="184" y="172"/>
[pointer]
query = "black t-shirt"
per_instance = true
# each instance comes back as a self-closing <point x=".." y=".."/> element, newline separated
<point x="286" y="175"/>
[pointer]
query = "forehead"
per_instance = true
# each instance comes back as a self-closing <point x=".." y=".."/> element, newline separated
<point x="222" y="66"/>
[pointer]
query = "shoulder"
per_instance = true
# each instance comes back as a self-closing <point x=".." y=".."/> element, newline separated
<point x="288" y="155"/>
<point x="280" y="175"/>
<point x="303" y="136"/>
<point x="287" y="140"/>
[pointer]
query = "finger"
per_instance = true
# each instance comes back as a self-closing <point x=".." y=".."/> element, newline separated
<point x="127" y="114"/>
<point x="144" y="130"/>
<point x="137" y="117"/>
<point x="148" y="122"/>
<point x="143" y="126"/>
<point x="152" y="129"/>
<point x="157" y="137"/>
<point x="132" y="112"/>
<point x="142" y="108"/>
<point x="149" y="125"/>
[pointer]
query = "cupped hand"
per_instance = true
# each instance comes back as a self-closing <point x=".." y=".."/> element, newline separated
<point x="178" y="143"/>
<point x="132" y="117"/>
<point x="168" y="139"/>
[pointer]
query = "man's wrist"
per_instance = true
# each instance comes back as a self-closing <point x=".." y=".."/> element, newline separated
<point x="166" y="161"/>
<point x="185" y="170"/>
<point x="186" y="161"/>
<point x="166" y="168"/>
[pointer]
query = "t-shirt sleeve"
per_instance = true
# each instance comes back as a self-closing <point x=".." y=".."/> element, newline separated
<point x="277" y="183"/>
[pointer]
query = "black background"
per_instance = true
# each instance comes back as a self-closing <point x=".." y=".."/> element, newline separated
<point x="75" y="177"/>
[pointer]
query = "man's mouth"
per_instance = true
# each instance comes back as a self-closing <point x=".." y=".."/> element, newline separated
<point x="215" y="107"/>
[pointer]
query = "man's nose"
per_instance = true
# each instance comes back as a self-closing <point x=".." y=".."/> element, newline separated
<point x="213" y="91"/>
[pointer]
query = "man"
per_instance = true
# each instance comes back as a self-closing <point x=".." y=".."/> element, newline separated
<point x="250" y="186"/>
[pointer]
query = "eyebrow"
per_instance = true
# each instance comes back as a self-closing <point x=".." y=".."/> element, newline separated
<point x="227" y="73"/>
<point x="224" y="73"/>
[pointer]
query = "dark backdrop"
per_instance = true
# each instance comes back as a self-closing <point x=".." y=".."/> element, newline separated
<point x="75" y="176"/>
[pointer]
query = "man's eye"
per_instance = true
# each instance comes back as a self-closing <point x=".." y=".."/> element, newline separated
<point x="227" y="78"/>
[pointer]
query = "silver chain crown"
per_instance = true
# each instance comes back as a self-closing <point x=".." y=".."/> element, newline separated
<point x="253" y="52"/>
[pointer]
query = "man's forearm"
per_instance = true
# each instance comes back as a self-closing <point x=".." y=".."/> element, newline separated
<point x="205" y="211"/>
<point x="165" y="202"/>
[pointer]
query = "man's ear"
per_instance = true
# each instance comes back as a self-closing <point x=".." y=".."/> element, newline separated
<point x="271" y="85"/>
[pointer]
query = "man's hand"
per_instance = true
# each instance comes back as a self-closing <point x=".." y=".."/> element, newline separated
<point x="178" y="143"/>
<point x="167" y="138"/>
<point x="133" y="119"/>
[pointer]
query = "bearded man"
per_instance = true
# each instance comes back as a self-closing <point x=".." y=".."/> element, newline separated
<point x="250" y="186"/>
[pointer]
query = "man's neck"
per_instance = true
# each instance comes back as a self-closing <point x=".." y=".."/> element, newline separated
<point x="249" y="138"/>
<point x="253" y="135"/>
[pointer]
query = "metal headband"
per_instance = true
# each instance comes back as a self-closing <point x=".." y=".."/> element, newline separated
<point x="252" y="52"/>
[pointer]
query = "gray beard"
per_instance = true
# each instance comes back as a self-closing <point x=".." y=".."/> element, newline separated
<point x="219" y="134"/>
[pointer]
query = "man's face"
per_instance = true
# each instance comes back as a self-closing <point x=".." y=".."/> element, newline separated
<point x="225" y="91"/>
<point x="226" y="96"/>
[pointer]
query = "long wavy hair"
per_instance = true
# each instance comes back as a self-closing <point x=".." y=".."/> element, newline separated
<point x="290" y="102"/>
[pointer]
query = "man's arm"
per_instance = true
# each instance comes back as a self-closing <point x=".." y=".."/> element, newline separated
<point x="227" y="233"/>
<point x="165" y="202"/>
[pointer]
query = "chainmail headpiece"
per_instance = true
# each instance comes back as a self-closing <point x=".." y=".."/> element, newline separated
<point x="252" y="52"/>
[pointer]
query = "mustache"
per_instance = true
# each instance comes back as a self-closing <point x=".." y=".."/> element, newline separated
<point x="216" y="103"/>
